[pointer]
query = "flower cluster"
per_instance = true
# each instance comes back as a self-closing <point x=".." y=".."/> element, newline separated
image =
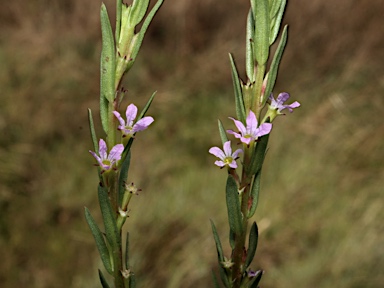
<point x="250" y="132"/>
<point x="128" y="128"/>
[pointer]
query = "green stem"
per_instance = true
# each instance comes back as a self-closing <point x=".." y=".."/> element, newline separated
<point x="238" y="251"/>
<point x="256" y="103"/>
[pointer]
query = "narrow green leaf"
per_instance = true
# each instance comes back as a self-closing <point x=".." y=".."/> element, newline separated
<point x="258" y="155"/>
<point x="274" y="8"/>
<point x="240" y="110"/>
<point x="132" y="281"/>
<point x="224" y="277"/>
<point x="94" y="139"/>
<point x="223" y="134"/>
<point x="261" y="15"/>
<point x="276" y="23"/>
<point x="256" y="280"/>
<point x="249" y="47"/>
<point x="232" y="239"/>
<point x="215" y="281"/>
<point x="104" y="282"/>
<point x="123" y="175"/>
<point x="219" y="248"/>
<point x="127" y="252"/>
<point x="233" y="206"/>
<point x="111" y="230"/>
<point x="146" y="107"/>
<point x="140" y="36"/>
<point x="119" y="3"/>
<point x="139" y="8"/>
<point x="107" y="67"/>
<point x="100" y="242"/>
<point x="272" y="74"/>
<point x="255" y="191"/>
<point x="252" y="244"/>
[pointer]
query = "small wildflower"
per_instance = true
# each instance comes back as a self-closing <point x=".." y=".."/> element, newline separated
<point x="251" y="132"/>
<point x="278" y="104"/>
<point x="126" y="273"/>
<point x="128" y="128"/>
<point x="252" y="274"/>
<point x="106" y="161"/>
<point x="227" y="263"/>
<point x="226" y="156"/>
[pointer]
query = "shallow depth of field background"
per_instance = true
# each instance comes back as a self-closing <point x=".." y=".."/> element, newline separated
<point x="321" y="209"/>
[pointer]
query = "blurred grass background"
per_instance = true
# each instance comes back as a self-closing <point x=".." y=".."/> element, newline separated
<point x="321" y="210"/>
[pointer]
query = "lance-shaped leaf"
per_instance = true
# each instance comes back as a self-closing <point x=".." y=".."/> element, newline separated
<point x="119" y="4"/>
<point x="219" y="249"/>
<point x="138" y="38"/>
<point x="215" y="281"/>
<point x="224" y="276"/>
<point x="107" y="67"/>
<point x="146" y="107"/>
<point x="111" y="230"/>
<point x="232" y="239"/>
<point x="260" y="9"/>
<point x="272" y="74"/>
<point x="223" y="134"/>
<point x="139" y="8"/>
<point x="249" y="47"/>
<point x="258" y="155"/>
<point x="100" y="242"/>
<point x="132" y="281"/>
<point x="104" y="282"/>
<point x="233" y="206"/>
<point x="94" y="139"/>
<point x="240" y="110"/>
<point x="255" y="191"/>
<point x="252" y="244"/>
<point x="123" y="175"/>
<point x="275" y="24"/>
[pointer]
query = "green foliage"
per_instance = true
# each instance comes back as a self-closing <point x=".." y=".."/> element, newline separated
<point x="100" y="242"/>
<point x="233" y="206"/>
<point x="107" y="67"/>
<point x="252" y="244"/>
<point x="240" y="109"/>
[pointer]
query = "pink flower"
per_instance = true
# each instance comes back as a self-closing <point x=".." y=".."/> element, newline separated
<point x="251" y="132"/>
<point x="106" y="161"/>
<point x="278" y="104"/>
<point x="226" y="157"/>
<point x="128" y="128"/>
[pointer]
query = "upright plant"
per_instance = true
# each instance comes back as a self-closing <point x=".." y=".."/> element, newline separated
<point x="256" y="109"/>
<point x="118" y="54"/>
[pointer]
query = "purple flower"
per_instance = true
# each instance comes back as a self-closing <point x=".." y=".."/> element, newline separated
<point x="251" y="132"/>
<point x="226" y="156"/>
<point x="107" y="161"/>
<point x="279" y="103"/>
<point x="128" y="128"/>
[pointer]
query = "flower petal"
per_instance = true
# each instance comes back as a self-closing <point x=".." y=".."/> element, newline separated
<point x="143" y="124"/>
<point x="131" y="114"/>
<point x="233" y="164"/>
<point x="115" y="154"/>
<point x="102" y="149"/>
<point x="220" y="163"/>
<point x="96" y="156"/>
<point x="121" y="120"/>
<point x="239" y="126"/>
<point x="284" y="96"/>
<point x="227" y="148"/>
<point x="236" y="153"/>
<point x="237" y="135"/>
<point x="217" y="152"/>
<point x="293" y="105"/>
<point x="251" y="123"/>
<point x="264" y="129"/>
